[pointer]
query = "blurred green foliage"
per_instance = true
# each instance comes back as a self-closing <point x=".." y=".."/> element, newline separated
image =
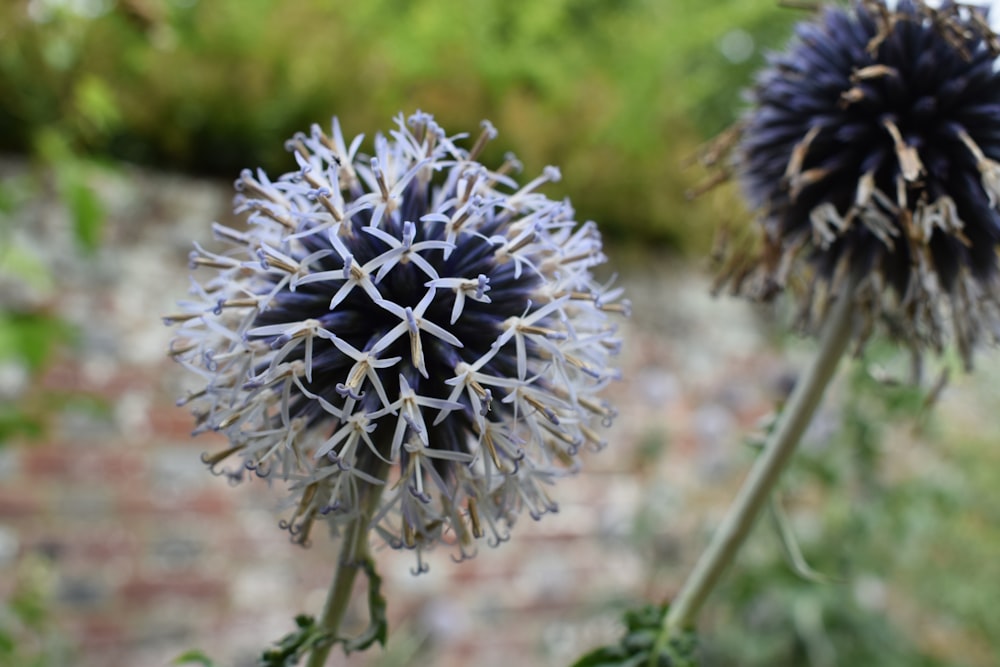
<point x="28" y="635"/>
<point x="615" y="92"/>
<point x="27" y="338"/>
<point x="30" y="332"/>
<point x="891" y="512"/>
<point x="638" y="643"/>
<point x="891" y="506"/>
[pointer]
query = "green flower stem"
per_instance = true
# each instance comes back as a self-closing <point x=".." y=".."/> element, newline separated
<point x="764" y="475"/>
<point x="353" y="552"/>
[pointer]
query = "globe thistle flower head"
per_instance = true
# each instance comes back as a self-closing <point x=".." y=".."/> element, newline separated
<point x="871" y="150"/>
<point x="411" y="322"/>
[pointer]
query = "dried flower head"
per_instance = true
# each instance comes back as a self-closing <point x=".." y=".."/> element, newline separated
<point x="871" y="149"/>
<point x="411" y="321"/>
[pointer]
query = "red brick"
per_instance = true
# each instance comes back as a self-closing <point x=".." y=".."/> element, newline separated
<point x="143" y="590"/>
<point x="96" y="631"/>
<point x="131" y="502"/>
<point x="48" y="461"/>
<point x="128" y="380"/>
<point x="99" y="546"/>
<point x="104" y="546"/>
<point x="64" y="462"/>
<point x="17" y="503"/>
<point x="172" y="422"/>
<point x="62" y="377"/>
<point x="118" y="463"/>
<point x="65" y="375"/>
<point x="208" y="503"/>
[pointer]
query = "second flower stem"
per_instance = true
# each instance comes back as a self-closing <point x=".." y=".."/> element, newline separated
<point x="767" y="468"/>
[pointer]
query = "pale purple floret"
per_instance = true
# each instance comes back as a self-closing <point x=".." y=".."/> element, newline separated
<point x="412" y="320"/>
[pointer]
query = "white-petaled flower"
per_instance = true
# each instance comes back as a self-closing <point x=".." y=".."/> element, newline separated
<point x="412" y="320"/>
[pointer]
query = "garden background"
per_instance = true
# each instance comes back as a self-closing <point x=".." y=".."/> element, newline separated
<point x="122" y="126"/>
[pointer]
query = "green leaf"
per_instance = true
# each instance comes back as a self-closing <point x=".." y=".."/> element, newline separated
<point x="31" y="337"/>
<point x="16" y="423"/>
<point x="95" y="102"/>
<point x="21" y="265"/>
<point x="52" y="146"/>
<point x="642" y="627"/>
<point x="7" y="644"/>
<point x="72" y="173"/>
<point x="293" y="646"/>
<point x="6" y="198"/>
<point x="86" y="211"/>
<point x="378" y="626"/>
<point x="193" y="657"/>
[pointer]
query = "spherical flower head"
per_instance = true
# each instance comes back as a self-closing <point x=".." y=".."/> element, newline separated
<point x="871" y="150"/>
<point x="411" y="322"/>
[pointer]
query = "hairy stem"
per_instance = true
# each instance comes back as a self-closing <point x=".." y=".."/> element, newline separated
<point x="353" y="552"/>
<point x="764" y="475"/>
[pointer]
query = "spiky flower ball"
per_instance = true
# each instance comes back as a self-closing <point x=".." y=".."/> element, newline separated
<point x="413" y="321"/>
<point x="871" y="148"/>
